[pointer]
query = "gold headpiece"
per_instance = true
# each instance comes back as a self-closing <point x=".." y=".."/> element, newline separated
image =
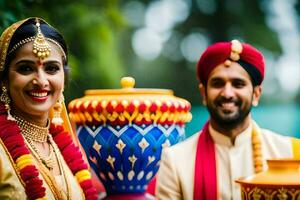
<point x="39" y="40"/>
<point x="41" y="48"/>
<point x="236" y="50"/>
<point x="30" y="39"/>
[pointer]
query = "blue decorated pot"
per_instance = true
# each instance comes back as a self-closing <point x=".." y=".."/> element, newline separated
<point x="123" y="132"/>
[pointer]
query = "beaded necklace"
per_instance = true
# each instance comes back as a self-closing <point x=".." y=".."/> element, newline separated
<point x="257" y="151"/>
<point x="31" y="131"/>
<point x="49" y="160"/>
<point x="45" y="172"/>
<point x="34" y="133"/>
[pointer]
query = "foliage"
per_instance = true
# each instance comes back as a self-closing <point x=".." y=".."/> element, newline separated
<point x="99" y="38"/>
<point x="10" y="11"/>
<point x="91" y="29"/>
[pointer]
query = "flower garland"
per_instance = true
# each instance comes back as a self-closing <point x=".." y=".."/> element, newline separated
<point x="73" y="157"/>
<point x="11" y="137"/>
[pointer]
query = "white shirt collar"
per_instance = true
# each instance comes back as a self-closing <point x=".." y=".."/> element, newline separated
<point x="224" y="140"/>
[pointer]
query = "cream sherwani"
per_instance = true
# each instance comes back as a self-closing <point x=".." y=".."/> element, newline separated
<point x="175" y="179"/>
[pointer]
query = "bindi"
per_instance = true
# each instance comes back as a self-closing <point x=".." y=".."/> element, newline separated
<point x="40" y="62"/>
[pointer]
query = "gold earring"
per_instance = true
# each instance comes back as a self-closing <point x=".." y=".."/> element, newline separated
<point x="57" y="120"/>
<point x="6" y="100"/>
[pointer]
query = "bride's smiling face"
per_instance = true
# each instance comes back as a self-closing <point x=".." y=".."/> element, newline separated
<point x="35" y="85"/>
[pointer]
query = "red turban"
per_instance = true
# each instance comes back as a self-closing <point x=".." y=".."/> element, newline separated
<point x="249" y="58"/>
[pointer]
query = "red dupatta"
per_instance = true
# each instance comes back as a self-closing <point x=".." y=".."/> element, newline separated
<point x="205" y="181"/>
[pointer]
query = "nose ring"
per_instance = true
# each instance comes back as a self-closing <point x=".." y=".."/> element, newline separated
<point x="34" y="81"/>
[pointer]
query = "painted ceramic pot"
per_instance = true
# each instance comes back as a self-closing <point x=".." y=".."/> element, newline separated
<point x="124" y="130"/>
<point x="280" y="182"/>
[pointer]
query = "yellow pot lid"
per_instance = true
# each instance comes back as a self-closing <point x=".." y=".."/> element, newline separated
<point x="127" y="84"/>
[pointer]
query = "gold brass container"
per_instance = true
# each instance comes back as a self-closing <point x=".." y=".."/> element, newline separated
<point x="281" y="181"/>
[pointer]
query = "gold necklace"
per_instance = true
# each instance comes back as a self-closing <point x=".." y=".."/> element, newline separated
<point x="33" y="132"/>
<point x="46" y="173"/>
<point x="61" y="167"/>
<point x="49" y="160"/>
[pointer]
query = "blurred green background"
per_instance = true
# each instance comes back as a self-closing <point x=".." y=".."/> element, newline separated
<point x="158" y="42"/>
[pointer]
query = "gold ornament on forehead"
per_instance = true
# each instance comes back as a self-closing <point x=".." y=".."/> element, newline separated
<point x="41" y="47"/>
<point x="41" y="44"/>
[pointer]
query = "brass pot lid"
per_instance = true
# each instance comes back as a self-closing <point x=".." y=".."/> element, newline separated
<point x="130" y="105"/>
<point x="281" y="172"/>
<point x="127" y="84"/>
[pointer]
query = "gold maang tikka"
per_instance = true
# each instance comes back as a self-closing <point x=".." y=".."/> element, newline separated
<point x="41" y="47"/>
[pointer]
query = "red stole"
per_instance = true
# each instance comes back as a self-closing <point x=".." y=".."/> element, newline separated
<point x="205" y="181"/>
